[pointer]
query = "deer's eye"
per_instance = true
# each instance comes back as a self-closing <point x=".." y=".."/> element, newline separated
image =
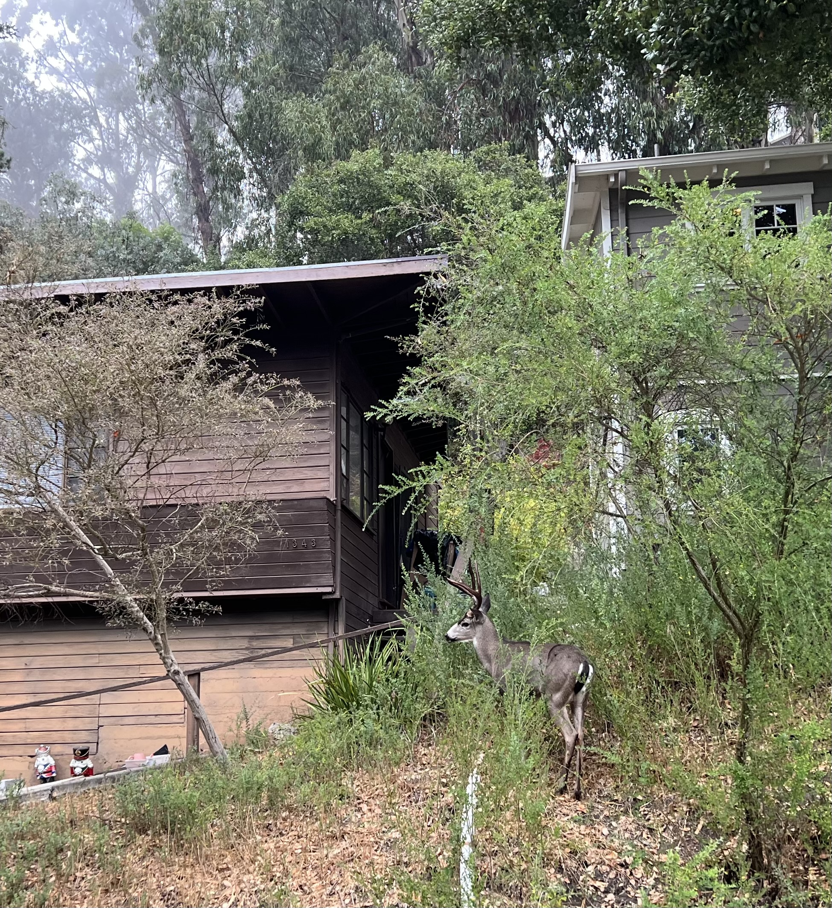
<point x="464" y="623"/>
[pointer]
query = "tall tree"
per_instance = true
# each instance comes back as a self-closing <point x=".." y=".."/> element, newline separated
<point x="75" y="108"/>
<point x="5" y="32"/>
<point x="73" y="236"/>
<point x="623" y="388"/>
<point x="624" y="77"/>
<point x="274" y="88"/>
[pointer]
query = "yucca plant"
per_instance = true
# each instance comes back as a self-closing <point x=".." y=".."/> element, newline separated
<point x="355" y="680"/>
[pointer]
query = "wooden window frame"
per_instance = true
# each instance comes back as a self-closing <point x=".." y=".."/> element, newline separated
<point x="352" y="425"/>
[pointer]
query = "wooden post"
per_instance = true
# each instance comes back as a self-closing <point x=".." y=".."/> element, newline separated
<point x="191" y="728"/>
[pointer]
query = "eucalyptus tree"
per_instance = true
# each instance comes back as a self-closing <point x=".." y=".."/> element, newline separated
<point x="379" y="206"/>
<point x="77" y="109"/>
<point x="626" y="76"/>
<point x="72" y="235"/>
<point x="38" y="134"/>
<point x="273" y="88"/>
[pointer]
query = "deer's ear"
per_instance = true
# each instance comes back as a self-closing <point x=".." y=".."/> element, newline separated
<point x="486" y="604"/>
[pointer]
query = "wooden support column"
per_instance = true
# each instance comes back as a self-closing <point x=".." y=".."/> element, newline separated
<point x="191" y="728"/>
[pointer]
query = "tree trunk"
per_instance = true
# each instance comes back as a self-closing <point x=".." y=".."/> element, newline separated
<point x="751" y="807"/>
<point x="463" y="556"/>
<point x="196" y="178"/>
<point x="156" y="635"/>
<point x="414" y="57"/>
<point x="180" y="679"/>
<point x="193" y="163"/>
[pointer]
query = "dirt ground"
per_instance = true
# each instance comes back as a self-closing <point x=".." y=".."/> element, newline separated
<point x="605" y="850"/>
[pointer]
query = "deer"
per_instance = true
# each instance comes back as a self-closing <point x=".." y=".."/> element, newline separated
<point x="558" y="672"/>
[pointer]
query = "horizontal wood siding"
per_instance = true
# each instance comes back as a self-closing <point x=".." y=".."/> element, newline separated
<point x="301" y="471"/>
<point x="641" y="219"/>
<point x="359" y="572"/>
<point x="52" y="658"/>
<point x="359" y="548"/>
<point x="298" y="556"/>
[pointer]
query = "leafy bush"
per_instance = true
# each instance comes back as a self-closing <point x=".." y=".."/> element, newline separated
<point x="179" y="801"/>
<point x="361" y="678"/>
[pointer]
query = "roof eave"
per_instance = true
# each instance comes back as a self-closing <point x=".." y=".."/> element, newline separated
<point x="244" y="277"/>
<point x="746" y="162"/>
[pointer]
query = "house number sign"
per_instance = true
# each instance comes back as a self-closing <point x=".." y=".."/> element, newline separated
<point x="304" y="544"/>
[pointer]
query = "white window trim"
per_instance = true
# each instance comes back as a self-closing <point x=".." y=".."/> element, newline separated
<point x="797" y="194"/>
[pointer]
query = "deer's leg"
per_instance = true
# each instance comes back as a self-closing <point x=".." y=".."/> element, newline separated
<point x="578" y="721"/>
<point x="570" y="736"/>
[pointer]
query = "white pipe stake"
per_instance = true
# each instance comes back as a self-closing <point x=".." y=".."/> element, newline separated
<point x="466" y="870"/>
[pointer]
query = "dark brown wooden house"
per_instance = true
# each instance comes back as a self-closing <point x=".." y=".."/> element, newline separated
<point x="331" y="327"/>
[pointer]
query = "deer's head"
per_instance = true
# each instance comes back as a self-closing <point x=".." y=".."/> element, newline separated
<point x="466" y="628"/>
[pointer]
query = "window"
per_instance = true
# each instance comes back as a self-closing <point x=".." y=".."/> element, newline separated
<point x="47" y="454"/>
<point x="701" y="446"/>
<point x="779" y="210"/>
<point x="358" y="491"/>
<point x="778" y="218"/>
<point x="35" y="457"/>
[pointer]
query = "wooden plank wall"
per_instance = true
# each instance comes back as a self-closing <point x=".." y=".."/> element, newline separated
<point x="360" y="564"/>
<point x="299" y="472"/>
<point x="359" y="572"/>
<point x="53" y="657"/>
<point x="642" y="219"/>
<point x="299" y="557"/>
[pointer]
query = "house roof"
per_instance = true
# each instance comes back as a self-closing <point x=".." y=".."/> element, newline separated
<point x="243" y="277"/>
<point x="588" y="181"/>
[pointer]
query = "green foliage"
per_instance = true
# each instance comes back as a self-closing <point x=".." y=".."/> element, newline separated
<point x="362" y="678"/>
<point x="71" y="237"/>
<point x="790" y="780"/>
<point x="32" y="857"/>
<point x="179" y="803"/>
<point x="274" y="89"/>
<point x="626" y="75"/>
<point x="699" y="880"/>
<point x="605" y="417"/>
<point x="376" y="206"/>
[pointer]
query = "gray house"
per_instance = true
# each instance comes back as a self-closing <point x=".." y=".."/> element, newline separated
<point x="795" y="181"/>
<point x="791" y="182"/>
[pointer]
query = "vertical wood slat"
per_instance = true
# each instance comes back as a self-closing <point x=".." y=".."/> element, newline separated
<point x="191" y="728"/>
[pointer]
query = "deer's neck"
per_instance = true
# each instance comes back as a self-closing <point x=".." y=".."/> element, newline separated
<point x="487" y="646"/>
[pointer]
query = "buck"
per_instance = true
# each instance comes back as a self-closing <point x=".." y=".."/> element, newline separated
<point x="558" y="672"/>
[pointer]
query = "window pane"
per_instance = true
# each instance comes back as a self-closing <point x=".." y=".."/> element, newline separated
<point x="779" y="217"/>
<point x="355" y="459"/>
<point x="345" y="440"/>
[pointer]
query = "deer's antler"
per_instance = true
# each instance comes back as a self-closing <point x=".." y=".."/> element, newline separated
<point x="475" y="591"/>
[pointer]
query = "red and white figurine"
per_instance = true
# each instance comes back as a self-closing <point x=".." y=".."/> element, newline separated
<point x="45" y="765"/>
<point x="81" y="764"/>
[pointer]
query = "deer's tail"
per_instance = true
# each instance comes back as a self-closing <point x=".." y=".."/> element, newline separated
<point x="584" y="676"/>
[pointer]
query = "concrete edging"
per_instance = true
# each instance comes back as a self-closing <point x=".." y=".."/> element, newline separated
<point x="48" y="791"/>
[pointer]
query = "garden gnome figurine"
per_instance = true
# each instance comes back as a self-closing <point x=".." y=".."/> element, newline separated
<point x="81" y="764"/>
<point x="44" y="765"/>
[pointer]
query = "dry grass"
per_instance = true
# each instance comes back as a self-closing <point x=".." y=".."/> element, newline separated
<point x="367" y="844"/>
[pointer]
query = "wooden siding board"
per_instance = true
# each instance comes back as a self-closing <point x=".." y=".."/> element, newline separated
<point x="279" y="561"/>
<point x="303" y="472"/>
<point x="53" y="657"/>
<point x="642" y="219"/>
<point x="359" y="573"/>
